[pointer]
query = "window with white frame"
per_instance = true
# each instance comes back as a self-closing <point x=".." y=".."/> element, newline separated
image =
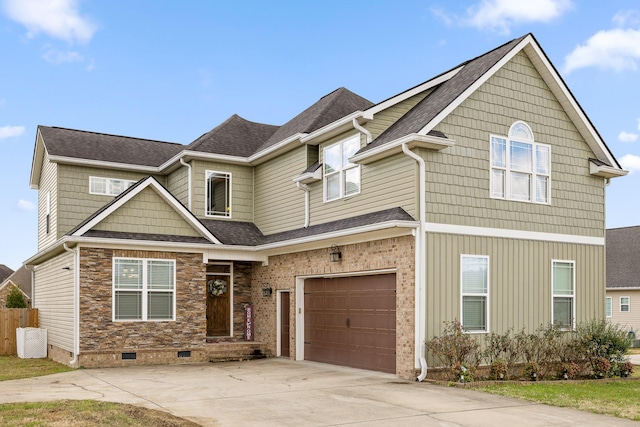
<point x="341" y="177"/>
<point x="474" y="284"/>
<point x="48" y="213"/>
<point x="520" y="167"/>
<point x="143" y="289"/>
<point x="218" y="202"/>
<point x="563" y="289"/>
<point x="108" y="186"/>
<point x="625" y="304"/>
<point x="608" y="307"/>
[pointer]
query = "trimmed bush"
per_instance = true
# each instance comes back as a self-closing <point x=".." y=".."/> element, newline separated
<point x="16" y="299"/>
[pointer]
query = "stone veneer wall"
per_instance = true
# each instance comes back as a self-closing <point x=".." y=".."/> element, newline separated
<point x="241" y="296"/>
<point x="103" y="340"/>
<point x="282" y="270"/>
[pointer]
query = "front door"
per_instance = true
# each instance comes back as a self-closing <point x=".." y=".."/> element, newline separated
<point x="219" y="299"/>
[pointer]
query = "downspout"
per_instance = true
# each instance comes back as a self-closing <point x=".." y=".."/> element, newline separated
<point x="76" y="303"/>
<point x="305" y="188"/>
<point x="183" y="163"/>
<point x="420" y="294"/>
<point x="363" y="130"/>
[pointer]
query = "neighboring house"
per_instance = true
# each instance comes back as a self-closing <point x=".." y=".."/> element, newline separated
<point x="5" y="272"/>
<point x="353" y="230"/>
<point x="622" y="301"/>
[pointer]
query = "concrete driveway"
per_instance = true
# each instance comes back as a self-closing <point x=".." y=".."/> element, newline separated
<point x="279" y="392"/>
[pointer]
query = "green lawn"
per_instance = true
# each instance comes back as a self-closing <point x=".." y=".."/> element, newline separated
<point x="14" y="368"/>
<point x="619" y="398"/>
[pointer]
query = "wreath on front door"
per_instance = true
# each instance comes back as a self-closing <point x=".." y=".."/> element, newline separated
<point x="217" y="287"/>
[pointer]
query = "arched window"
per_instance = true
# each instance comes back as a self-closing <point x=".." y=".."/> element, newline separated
<point x="520" y="167"/>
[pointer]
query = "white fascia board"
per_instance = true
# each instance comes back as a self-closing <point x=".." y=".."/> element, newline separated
<point x="274" y="150"/>
<point x="179" y="207"/>
<point x="103" y="164"/>
<point x="606" y="171"/>
<point x="412" y="140"/>
<point x="334" y="128"/>
<point x="309" y="177"/>
<point x="188" y="155"/>
<point x="411" y="92"/>
<point x="431" y="227"/>
<point x="36" y="162"/>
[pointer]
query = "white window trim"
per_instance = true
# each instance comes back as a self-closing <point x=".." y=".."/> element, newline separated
<point x="207" y="173"/>
<point x="144" y="290"/>
<point x="486" y="295"/>
<point x="340" y="172"/>
<point x="628" y="305"/>
<point x="507" y="169"/>
<point x="573" y="295"/>
<point x="230" y="275"/>
<point x="608" y="301"/>
<point x="108" y="185"/>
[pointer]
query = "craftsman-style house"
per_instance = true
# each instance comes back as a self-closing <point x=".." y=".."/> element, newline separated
<point x="348" y="234"/>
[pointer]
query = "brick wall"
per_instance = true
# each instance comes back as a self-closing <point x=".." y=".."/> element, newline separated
<point x="282" y="270"/>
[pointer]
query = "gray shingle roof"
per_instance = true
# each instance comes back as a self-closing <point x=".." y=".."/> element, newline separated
<point x="108" y="148"/>
<point x="234" y="137"/>
<point x="4" y="272"/>
<point x="21" y="278"/>
<point x="623" y="257"/>
<point x="339" y="103"/>
<point x="145" y="236"/>
<point x="434" y="103"/>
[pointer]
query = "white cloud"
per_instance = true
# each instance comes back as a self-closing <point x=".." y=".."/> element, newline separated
<point x="56" y="57"/>
<point x="57" y="18"/>
<point x="638" y="124"/>
<point x="617" y="49"/>
<point x="627" y="18"/>
<point x="25" y="205"/>
<point x="11" y="131"/>
<point x="501" y="15"/>
<point x="627" y="137"/>
<point x="630" y="163"/>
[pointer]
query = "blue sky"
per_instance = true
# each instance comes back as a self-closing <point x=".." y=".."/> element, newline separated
<point x="171" y="70"/>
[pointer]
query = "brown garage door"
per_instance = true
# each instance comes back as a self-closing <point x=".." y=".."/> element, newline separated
<point x="351" y="321"/>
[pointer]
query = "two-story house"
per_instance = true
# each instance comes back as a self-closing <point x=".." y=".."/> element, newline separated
<point x="352" y="231"/>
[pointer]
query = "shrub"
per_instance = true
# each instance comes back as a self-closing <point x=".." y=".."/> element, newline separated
<point x="498" y="370"/>
<point x="600" y="339"/>
<point x="16" y="299"/>
<point x="601" y="367"/>
<point x="454" y="347"/>
<point x="460" y="372"/>
<point x="568" y="370"/>
<point x="530" y="371"/>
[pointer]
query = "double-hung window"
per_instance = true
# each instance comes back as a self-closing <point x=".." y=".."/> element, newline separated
<point x="144" y="289"/>
<point x="341" y="177"/>
<point x="625" y="304"/>
<point x="218" y="186"/>
<point x="474" y="284"/>
<point x="520" y="167"/>
<point x="563" y="284"/>
<point x="608" y="307"/>
<point x="108" y="186"/>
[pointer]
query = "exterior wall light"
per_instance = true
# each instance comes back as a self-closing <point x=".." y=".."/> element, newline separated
<point x="266" y="291"/>
<point x="335" y="255"/>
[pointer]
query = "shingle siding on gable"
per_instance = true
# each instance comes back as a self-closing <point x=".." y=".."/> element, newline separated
<point x="75" y="203"/>
<point x="48" y="184"/>
<point x="148" y="213"/>
<point x="178" y="184"/>
<point x="389" y="116"/>
<point x="279" y="204"/>
<point x="54" y="299"/>
<point x="458" y="177"/>
<point x="241" y="188"/>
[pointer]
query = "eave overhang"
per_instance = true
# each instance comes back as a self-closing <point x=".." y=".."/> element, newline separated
<point x="606" y="171"/>
<point x="336" y="128"/>
<point x="413" y="140"/>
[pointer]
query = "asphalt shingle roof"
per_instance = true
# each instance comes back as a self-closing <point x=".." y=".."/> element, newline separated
<point x="4" y="272"/>
<point x="623" y="257"/>
<point x="145" y="236"/>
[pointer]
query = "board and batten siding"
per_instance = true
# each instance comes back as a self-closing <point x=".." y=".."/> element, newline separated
<point x="387" y="183"/>
<point x="75" y="204"/>
<point x="385" y="118"/>
<point x="241" y="189"/>
<point x="178" y="184"/>
<point x="519" y="280"/>
<point x="279" y="204"/>
<point x="53" y="297"/>
<point x="458" y="177"/>
<point x="629" y="320"/>
<point x="149" y="213"/>
<point x="48" y="185"/>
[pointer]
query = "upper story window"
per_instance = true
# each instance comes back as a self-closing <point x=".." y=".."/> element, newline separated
<point x="625" y="304"/>
<point x="520" y="167"/>
<point x="108" y="186"/>
<point x="48" y="213"/>
<point x="341" y="177"/>
<point x="218" y="201"/>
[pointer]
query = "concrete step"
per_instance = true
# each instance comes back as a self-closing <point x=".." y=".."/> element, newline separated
<point x="233" y="351"/>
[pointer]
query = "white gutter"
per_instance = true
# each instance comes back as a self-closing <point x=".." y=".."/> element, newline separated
<point x="420" y="294"/>
<point x="305" y="188"/>
<point x="363" y="130"/>
<point x="76" y="302"/>
<point x="183" y="163"/>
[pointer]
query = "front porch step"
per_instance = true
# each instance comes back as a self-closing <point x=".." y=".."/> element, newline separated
<point x="234" y="351"/>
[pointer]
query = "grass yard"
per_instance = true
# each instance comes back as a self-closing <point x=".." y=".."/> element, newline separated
<point x="617" y="398"/>
<point x="14" y="368"/>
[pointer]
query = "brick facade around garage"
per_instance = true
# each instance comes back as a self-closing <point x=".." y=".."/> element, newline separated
<point x="281" y="272"/>
<point x="102" y="341"/>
